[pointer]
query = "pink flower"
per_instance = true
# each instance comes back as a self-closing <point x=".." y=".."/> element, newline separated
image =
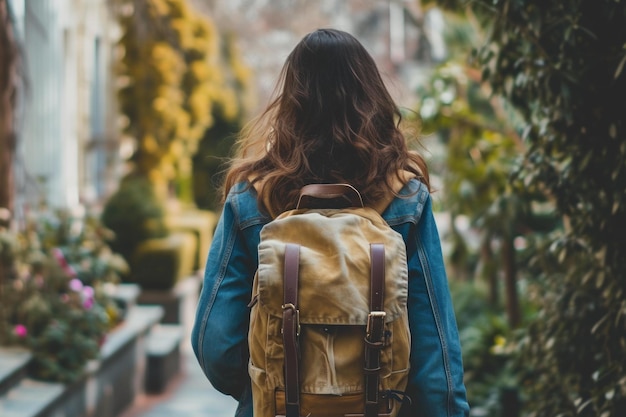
<point x="20" y="331"/>
<point x="88" y="303"/>
<point x="88" y="292"/>
<point x="88" y="297"/>
<point x="76" y="285"/>
<point x="60" y="258"/>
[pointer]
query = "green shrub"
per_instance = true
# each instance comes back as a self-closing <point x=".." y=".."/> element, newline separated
<point x="134" y="214"/>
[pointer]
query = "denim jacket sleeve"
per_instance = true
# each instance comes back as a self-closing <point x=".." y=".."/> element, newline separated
<point x="436" y="384"/>
<point x="219" y="333"/>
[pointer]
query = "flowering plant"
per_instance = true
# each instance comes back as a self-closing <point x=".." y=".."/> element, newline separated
<point x="53" y="293"/>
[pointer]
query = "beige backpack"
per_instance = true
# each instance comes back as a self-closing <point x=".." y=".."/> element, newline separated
<point x="329" y="334"/>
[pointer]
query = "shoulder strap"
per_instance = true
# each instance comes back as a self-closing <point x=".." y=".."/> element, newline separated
<point x="374" y="336"/>
<point x="291" y="330"/>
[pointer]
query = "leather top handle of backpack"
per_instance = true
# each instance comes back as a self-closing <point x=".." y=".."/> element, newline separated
<point x="344" y="192"/>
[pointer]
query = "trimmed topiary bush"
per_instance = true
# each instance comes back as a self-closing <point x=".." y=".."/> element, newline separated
<point x="134" y="214"/>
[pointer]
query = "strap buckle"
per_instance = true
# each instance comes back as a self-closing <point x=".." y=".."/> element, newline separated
<point x="290" y="306"/>
<point x="374" y="315"/>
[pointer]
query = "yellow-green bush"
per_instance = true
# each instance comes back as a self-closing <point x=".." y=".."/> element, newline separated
<point x="177" y="78"/>
<point x="174" y="81"/>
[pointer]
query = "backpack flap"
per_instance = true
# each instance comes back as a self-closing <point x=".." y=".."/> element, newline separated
<point x="334" y="265"/>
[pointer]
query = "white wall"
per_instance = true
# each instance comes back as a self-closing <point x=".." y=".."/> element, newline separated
<point x="68" y="104"/>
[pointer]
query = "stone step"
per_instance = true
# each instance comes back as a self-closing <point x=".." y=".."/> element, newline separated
<point x="13" y="367"/>
<point x="163" y="356"/>
<point x="109" y="386"/>
<point x="30" y="398"/>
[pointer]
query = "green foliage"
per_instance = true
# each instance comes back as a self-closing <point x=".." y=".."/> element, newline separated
<point x="489" y="355"/>
<point x="210" y="161"/>
<point x="81" y="241"/>
<point x="133" y="213"/>
<point x="561" y="64"/>
<point x="45" y="305"/>
<point x="168" y="76"/>
<point x="482" y="150"/>
<point x="158" y="264"/>
<point x="177" y="76"/>
<point x="217" y="143"/>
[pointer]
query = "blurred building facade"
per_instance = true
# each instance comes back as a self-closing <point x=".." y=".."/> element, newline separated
<point x="67" y="141"/>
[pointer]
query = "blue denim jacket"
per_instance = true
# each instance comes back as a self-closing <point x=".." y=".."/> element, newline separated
<point x="219" y="336"/>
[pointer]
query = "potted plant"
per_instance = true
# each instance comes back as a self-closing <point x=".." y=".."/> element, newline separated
<point x="55" y="302"/>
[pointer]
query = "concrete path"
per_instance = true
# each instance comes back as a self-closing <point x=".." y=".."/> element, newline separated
<point x="189" y="395"/>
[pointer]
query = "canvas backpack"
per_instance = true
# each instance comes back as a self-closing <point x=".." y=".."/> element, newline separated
<point x="329" y="334"/>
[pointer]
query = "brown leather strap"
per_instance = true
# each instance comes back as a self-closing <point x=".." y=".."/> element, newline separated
<point x="375" y="332"/>
<point x="291" y="330"/>
<point x="330" y="192"/>
<point x="377" y="295"/>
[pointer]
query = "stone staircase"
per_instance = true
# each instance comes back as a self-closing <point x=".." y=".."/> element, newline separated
<point x="138" y="356"/>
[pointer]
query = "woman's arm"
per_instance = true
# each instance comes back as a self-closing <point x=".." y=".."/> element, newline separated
<point x="219" y="334"/>
<point x="436" y="377"/>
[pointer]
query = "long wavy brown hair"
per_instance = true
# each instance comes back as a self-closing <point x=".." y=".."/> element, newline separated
<point x="332" y="121"/>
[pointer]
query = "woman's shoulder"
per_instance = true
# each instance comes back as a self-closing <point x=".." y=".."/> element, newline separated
<point x="414" y="188"/>
<point x="406" y="206"/>
<point x="409" y="204"/>
<point x="242" y="198"/>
